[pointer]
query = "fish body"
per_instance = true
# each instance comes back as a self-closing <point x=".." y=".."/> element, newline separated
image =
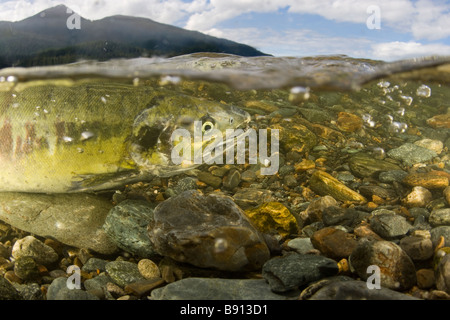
<point x="96" y="135"/>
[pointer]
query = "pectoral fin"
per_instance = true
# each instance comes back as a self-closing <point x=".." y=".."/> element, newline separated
<point x="107" y="181"/>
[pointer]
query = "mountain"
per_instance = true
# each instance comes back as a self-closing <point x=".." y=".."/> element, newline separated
<point x="58" y="35"/>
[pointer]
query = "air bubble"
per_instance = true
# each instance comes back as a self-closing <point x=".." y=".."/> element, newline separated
<point x="165" y="80"/>
<point x="67" y="139"/>
<point x="378" y="153"/>
<point x="220" y="245"/>
<point x="11" y="79"/>
<point x="80" y="150"/>
<point x="86" y="135"/>
<point x="397" y="127"/>
<point x="423" y="91"/>
<point x="299" y="94"/>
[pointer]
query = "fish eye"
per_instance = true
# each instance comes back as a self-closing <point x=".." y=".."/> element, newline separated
<point x="231" y="120"/>
<point x="207" y="126"/>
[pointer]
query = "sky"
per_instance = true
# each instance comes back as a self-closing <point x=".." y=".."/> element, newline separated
<point x="375" y="29"/>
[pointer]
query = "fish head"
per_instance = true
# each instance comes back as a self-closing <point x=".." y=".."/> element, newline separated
<point x="182" y="122"/>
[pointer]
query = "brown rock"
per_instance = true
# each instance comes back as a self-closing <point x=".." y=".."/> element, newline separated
<point x="349" y="122"/>
<point x="425" y="278"/>
<point x="333" y="243"/>
<point x="140" y="288"/>
<point x="418" y="197"/>
<point x="364" y="231"/>
<point x="426" y="180"/>
<point x="208" y="232"/>
<point x="325" y="184"/>
<point x="440" y="121"/>
<point x="304" y="165"/>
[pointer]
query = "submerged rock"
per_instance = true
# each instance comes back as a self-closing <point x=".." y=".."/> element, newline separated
<point x="365" y="165"/>
<point x="325" y="184"/>
<point x="273" y="216"/>
<point x="126" y="224"/>
<point x="216" y="289"/>
<point x="397" y="270"/>
<point x="207" y="231"/>
<point x="411" y="154"/>
<point x="73" y="219"/>
<point x="293" y="270"/>
<point x="356" y="290"/>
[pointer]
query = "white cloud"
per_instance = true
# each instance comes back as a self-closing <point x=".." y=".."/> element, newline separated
<point x="295" y="42"/>
<point x="165" y="11"/>
<point x="397" y="50"/>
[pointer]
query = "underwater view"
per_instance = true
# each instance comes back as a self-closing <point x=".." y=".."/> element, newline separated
<point x="213" y="176"/>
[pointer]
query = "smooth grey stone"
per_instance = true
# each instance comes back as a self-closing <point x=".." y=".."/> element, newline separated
<point x="218" y="289"/>
<point x="293" y="270"/>
<point x="356" y="290"/>
<point x="74" y="219"/>
<point x="411" y="154"/>
<point x="58" y="290"/>
<point x="390" y="226"/>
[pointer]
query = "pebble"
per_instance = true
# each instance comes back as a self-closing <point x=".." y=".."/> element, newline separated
<point x="418" y="197"/>
<point x="209" y="179"/>
<point x="207" y="231"/>
<point x="446" y="194"/>
<point x="232" y="179"/>
<point x="139" y="288"/>
<point x="392" y="175"/>
<point x="437" y="232"/>
<point x="433" y="145"/>
<point x="443" y="274"/>
<point x="8" y="291"/>
<point x="324" y="184"/>
<point x="417" y="248"/>
<point x="426" y="180"/>
<point x="217" y="289"/>
<point x="123" y="272"/>
<point x="397" y="270"/>
<point x="94" y="264"/>
<point x="334" y="215"/>
<point x="186" y="183"/>
<point x="30" y="291"/>
<point x="58" y="290"/>
<point x="333" y="243"/>
<point x="26" y="268"/>
<point x="440" y="217"/>
<point x="301" y="245"/>
<point x="314" y="211"/>
<point x="390" y="226"/>
<point x="349" y="122"/>
<point x="34" y="248"/>
<point x="439" y="121"/>
<point x="126" y="225"/>
<point x="411" y="154"/>
<point x="273" y="217"/>
<point x="247" y="198"/>
<point x="365" y="165"/>
<point x="425" y="278"/>
<point x="293" y="270"/>
<point x="356" y="290"/>
<point x="148" y="269"/>
<point x="73" y="219"/>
